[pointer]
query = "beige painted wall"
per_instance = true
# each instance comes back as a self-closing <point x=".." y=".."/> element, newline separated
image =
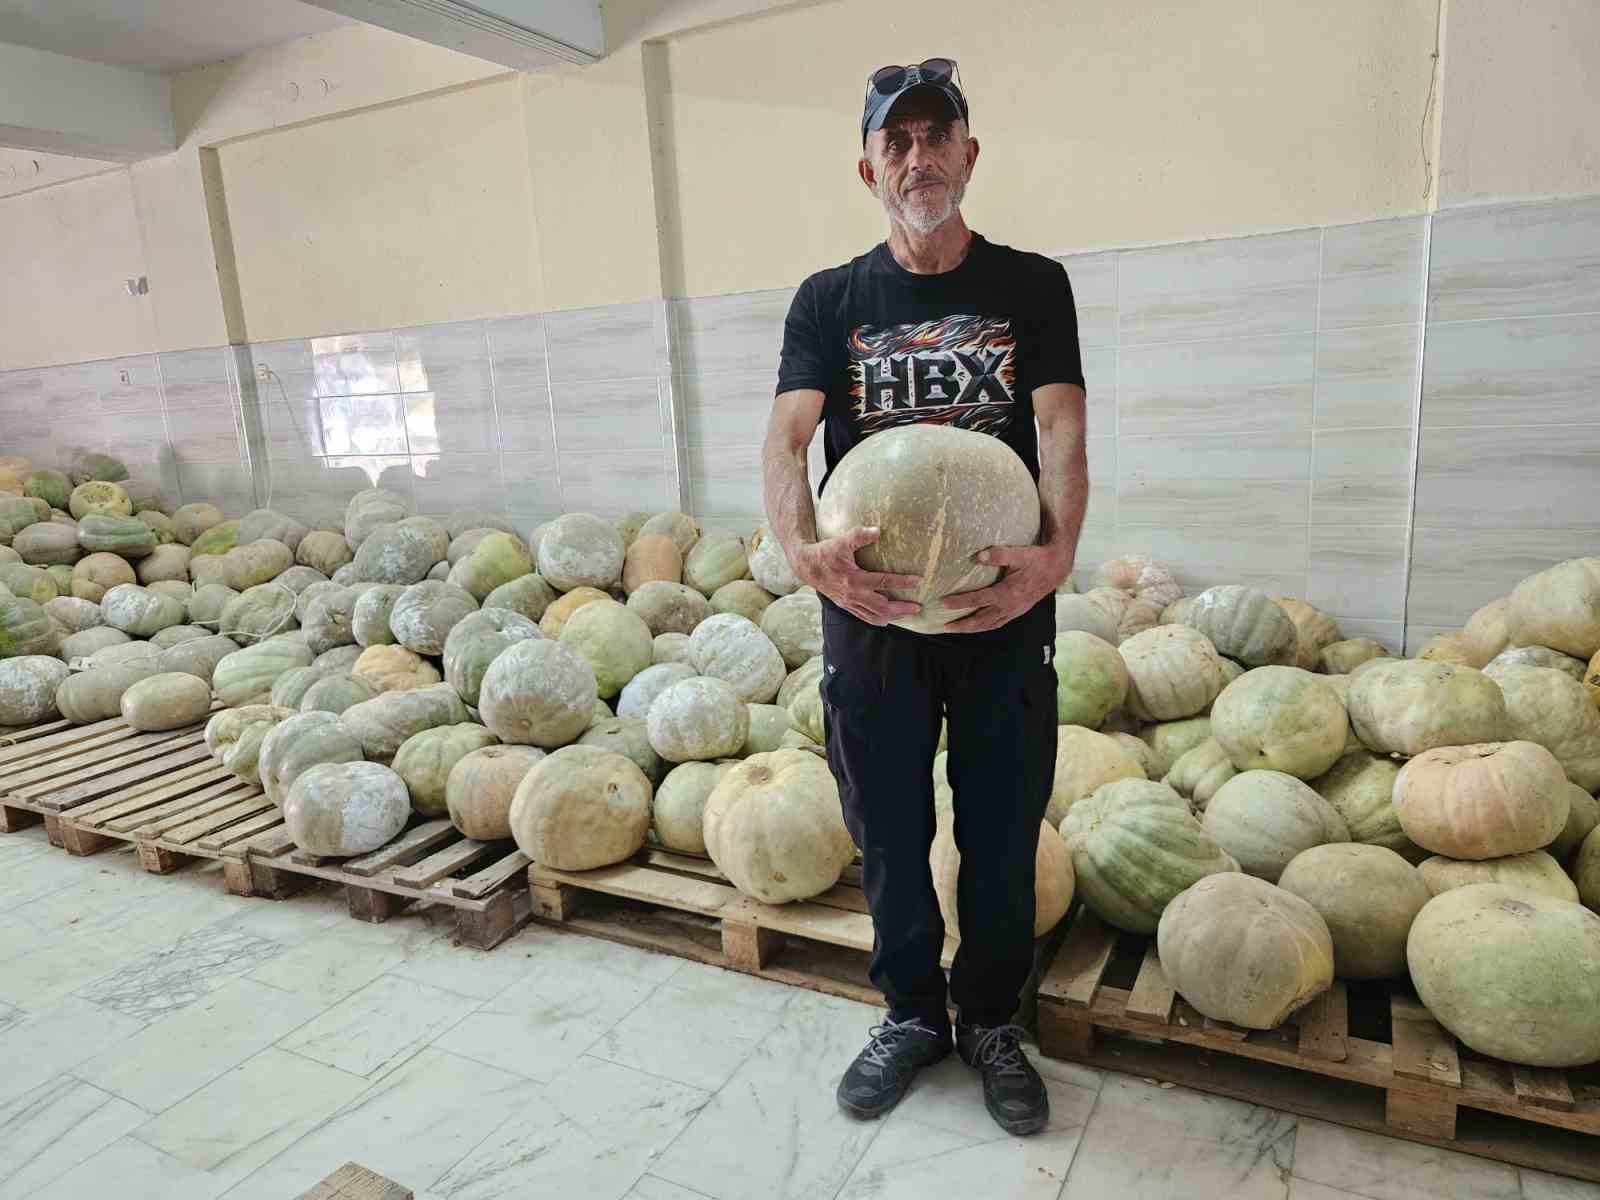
<point x="1100" y="125"/>
<point x="64" y="254"/>
<point x="399" y="215"/>
<point x="1522" y="93"/>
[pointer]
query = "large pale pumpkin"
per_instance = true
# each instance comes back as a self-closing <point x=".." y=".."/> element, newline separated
<point x="745" y="598"/>
<point x="1091" y="679"/>
<point x="1169" y="741"/>
<point x="1315" y="629"/>
<point x="1534" y="871"/>
<point x="716" y="559"/>
<point x="643" y="688"/>
<point x="168" y="700"/>
<point x="1582" y="818"/>
<point x="1485" y="634"/>
<point x="1080" y="614"/>
<point x="336" y="692"/>
<point x="96" y="694"/>
<point x="938" y="495"/>
<point x="383" y="723"/>
<point x="580" y="550"/>
<point x="1084" y="761"/>
<point x="1482" y="801"/>
<point x="1199" y="772"/>
<point x="1281" y="719"/>
<point x="496" y="560"/>
<point x="669" y="607"/>
<point x="1340" y="658"/>
<point x="1558" y="608"/>
<point x="1538" y="656"/>
<point x="346" y="808"/>
<point x="295" y="744"/>
<point x="247" y="676"/>
<point x="1513" y="974"/>
<point x="732" y="649"/>
<point x="1144" y="577"/>
<point x="1407" y="706"/>
<point x="234" y="737"/>
<point x="699" y="718"/>
<point x="424" y="613"/>
<point x="1265" y="818"/>
<point x="1052" y="876"/>
<point x="769" y="565"/>
<point x="1245" y="625"/>
<point x="28" y="686"/>
<point x="529" y="595"/>
<point x="394" y="669"/>
<point x="476" y="641"/>
<point x="538" y="692"/>
<point x="774" y="827"/>
<point x="1135" y="846"/>
<point x="613" y="640"/>
<point x="425" y="760"/>
<point x="481" y="786"/>
<point x="1551" y="708"/>
<point x="1173" y="671"/>
<point x="677" y="812"/>
<point x="651" y="557"/>
<point x="1368" y="895"/>
<point x="560" y="612"/>
<point x="1360" y="786"/>
<point x="1243" y="951"/>
<point x="581" y="808"/>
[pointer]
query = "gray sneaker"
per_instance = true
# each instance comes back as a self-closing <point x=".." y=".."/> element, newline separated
<point x="1012" y="1090"/>
<point x="883" y="1071"/>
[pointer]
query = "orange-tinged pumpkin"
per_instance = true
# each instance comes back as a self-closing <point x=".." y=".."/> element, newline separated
<point x="1482" y="801"/>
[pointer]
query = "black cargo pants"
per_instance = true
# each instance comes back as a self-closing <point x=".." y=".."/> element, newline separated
<point x="884" y="691"/>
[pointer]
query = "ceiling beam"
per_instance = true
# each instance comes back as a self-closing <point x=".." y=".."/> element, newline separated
<point x="521" y="34"/>
<point x="60" y="105"/>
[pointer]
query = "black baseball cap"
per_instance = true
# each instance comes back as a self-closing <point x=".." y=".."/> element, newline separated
<point x="887" y="84"/>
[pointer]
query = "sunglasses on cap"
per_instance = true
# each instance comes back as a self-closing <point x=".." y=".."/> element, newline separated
<point x="887" y="84"/>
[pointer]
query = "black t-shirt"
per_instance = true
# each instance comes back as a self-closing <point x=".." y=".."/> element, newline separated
<point x="965" y="347"/>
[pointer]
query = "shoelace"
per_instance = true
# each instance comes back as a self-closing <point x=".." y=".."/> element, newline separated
<point x="1000" y="1048"/>
<point x="884" y="1038"/>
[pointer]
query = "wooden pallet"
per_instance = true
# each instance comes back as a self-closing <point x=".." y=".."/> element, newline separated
<point x="681" y="905"/>
<point x="1365" y="1055"/>
<point x="60" y="767"/>
<point x="484" y="882"/>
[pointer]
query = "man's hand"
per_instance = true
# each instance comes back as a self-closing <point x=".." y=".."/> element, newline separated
<point x="1032" y="573"/>
<point x="830" y="566"/>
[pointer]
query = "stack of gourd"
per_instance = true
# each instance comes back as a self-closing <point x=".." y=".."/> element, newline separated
<point x="1324" y="810"/>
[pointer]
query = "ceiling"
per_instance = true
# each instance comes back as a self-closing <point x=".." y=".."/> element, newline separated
<point x="159" y="35"/>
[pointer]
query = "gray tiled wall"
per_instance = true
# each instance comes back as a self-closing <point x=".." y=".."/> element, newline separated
<point x="1252" y="411"/>
<point x="1508" y="472"/>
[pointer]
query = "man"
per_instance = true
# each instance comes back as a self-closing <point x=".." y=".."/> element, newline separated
<point x="936" y="324"/>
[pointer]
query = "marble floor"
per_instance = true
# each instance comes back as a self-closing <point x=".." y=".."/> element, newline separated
<point x="159" y="1038"/>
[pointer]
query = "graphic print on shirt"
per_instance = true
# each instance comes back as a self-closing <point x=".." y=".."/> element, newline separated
<point x="959" y="370"/>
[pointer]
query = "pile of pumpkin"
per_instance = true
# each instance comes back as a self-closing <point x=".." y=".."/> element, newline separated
<point x="576" y="693"/>
<point x="1281" y="807"/>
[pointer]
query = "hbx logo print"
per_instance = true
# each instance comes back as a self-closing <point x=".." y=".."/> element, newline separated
<point x="958" y="370"/>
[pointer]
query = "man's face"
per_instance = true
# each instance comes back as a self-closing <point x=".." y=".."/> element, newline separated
<point x="918" y="164"/>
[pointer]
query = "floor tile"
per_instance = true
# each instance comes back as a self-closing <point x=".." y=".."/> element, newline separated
<point x="55" y="1040"/>
<point x="684" y="1035"/>
<point x="715" y="983"/>
<point x="1538" y="1185"/>
<point x="1200" y="1145"/>
<point x="1304" y="1189"/>
<point x="949" y="1096"/>
<point x="54" y="1128"/>
<point x="911" y="1161"/>
<point x="781" y="1100"/>
<point x="561" y="946"/>
<point x="193" y="967"/>
<point x="592" y="1133"/>
<point x="1067" y="1072"/>
<point x="130" y="1170"/>
<point x="540" y="1026"/>
<point x="379" y="1026"/>
<point x="651" y="1188"/>
<point x="234" y="1124"/>
<point x="169" y="1059"/>
<point x="335" y="963"/>
<point x="294" y="920"/>
<point x="1384" y="1168"/>
<point x="18" y="937"/>
<point x="412" y="1126"/>
<point x="481" y="974"/>
<point x="41" y="980"/>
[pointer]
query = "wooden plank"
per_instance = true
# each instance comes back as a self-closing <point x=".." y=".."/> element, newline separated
<point x="405" y="849"/>
<point x="643" y="883"/>
<point x="136" y="768"/>
<point x="1074" y="978"/>
<point x="1422" y="1047"/>
<point x="1325" y="1025"/>
<point x="355" y="1182"/>
<point x="16" y="735"/>
<point x="474" y="887"/>
<point x="1152" y="996"/>
<point x="12" y="819"/>
<point x="154" y="822"/>
<point x="217" y="842"/>
<point x="31" y="749"/>
<point x="221" y="818"/>
<point x="1542" y="1087"/>
<point x="506" y="912"/>
<point x="272" y="844"/>
<point x="191" y="774"/>
<point x="28" y="782"/>
<point x="135" y="819"/>
<point x="443" y="863"/>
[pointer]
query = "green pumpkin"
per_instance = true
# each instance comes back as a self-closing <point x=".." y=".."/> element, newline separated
<point x="102" y="497"/>
<point x="96" y="466"/>
<point x="475" y="641"/>
<point x="48" y="544"/>
<point x="53" y="487"/>
<point x="497" y="559"/>
<point x="1091" y="679"/>
<point x="25" y="628"/>
<point x="424" y="761"/>
<point x="247" y="676"/>
<point x="715" y="560"/>
<point x="160" y="524"/>
<point x="258" y="613"/>
<point x="613" y="639"/>
<point x="110" y="533"/>
<point x="234" y="737"/>
<point x="17" y="513"/>
<point x="218" y="539"/>
<point x="1135" y="847"/>
<point x="29" y="582"/>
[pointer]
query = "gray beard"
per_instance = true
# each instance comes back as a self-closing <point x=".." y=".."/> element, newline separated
<point x="919" y="216"/>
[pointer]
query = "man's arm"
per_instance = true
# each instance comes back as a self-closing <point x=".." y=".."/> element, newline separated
<point x="829" y="566"/>
<point x="1033" y="572"/>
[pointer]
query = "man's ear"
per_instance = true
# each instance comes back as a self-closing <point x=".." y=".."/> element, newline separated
<point x="868" y="175"/>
